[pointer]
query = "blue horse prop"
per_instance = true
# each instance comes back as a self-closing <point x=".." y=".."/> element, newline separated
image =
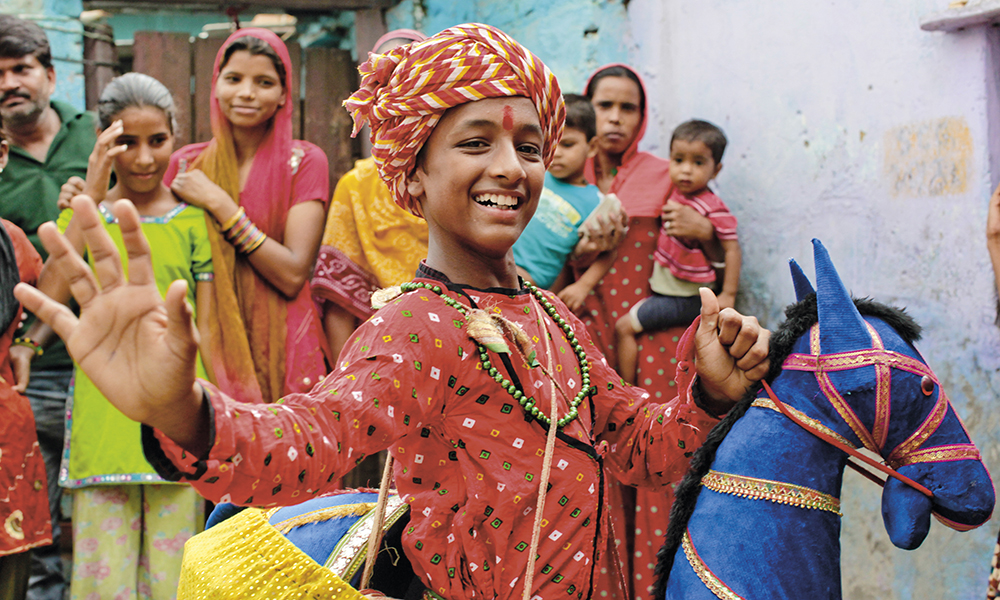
<point x="758" y="514"/>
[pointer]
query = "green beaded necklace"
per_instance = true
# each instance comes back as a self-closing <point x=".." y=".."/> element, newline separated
<point x="527" y="402"/>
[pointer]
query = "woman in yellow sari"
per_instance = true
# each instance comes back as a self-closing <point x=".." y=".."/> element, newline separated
<point x="369" y="242"/>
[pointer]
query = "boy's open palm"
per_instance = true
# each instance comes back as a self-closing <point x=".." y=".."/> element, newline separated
<point x="138" y="349"/>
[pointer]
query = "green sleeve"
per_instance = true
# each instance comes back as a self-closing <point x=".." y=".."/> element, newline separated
<point x="201" y="250"/>
<point x="64" y="218"/>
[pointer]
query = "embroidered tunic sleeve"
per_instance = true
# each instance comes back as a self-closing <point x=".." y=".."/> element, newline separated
<point x="469" y="458"/>
<point x="648" y="444"/>
<point x="287" y="452"/>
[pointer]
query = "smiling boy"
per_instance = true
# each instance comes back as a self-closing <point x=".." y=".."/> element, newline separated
<point x="460" y="375"/>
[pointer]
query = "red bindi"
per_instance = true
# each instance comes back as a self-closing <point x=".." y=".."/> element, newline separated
<point x="508" y="118"/>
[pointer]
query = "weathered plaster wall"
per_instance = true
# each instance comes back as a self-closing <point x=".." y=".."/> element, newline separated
<point x="848" y="123"/>
<point x="59" y="20"/>
<point x="573" y="37"/>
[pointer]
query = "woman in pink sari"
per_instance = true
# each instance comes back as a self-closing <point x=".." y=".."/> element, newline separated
<point x="642" y="183"/>
<point x="265" y="196"/>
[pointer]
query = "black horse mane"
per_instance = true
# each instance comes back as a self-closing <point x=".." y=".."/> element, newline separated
<point x="799" y="317"/>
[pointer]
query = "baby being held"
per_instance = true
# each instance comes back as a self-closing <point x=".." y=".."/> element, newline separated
<point x="682" y="266"/>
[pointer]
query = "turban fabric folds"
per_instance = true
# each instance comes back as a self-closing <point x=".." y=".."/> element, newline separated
<point x="405" y="92"/>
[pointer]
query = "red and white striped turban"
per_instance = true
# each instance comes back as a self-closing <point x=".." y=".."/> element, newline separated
<point x="406" y="91"/>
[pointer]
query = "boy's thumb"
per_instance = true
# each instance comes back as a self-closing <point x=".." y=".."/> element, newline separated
<point x="709" y="312"/>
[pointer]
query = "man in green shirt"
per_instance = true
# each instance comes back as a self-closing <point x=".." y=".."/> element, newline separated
<point x="50" y="141"/>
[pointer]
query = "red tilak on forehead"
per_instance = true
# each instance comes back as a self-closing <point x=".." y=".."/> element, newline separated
<point x="508" y="117"/>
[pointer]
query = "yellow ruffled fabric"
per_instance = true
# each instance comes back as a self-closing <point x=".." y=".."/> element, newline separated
<point x="245" y="557"/>
<point x="378" y="236"/>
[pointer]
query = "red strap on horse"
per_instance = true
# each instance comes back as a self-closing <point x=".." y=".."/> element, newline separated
<point x="850" y="451"/>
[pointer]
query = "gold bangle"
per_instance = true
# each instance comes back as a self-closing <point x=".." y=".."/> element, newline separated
<point x="231" y="221"/>
<point x="252" y="244"/>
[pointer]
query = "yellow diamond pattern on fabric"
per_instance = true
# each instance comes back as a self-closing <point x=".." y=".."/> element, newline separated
<point x="245" y="557"/>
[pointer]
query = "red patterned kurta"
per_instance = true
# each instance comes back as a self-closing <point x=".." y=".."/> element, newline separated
<point x="24" y="503"/>
<point x="640" y="516"/>
<point x="468" y="461"/>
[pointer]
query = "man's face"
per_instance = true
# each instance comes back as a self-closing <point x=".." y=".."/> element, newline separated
<point x="25" y="88"/>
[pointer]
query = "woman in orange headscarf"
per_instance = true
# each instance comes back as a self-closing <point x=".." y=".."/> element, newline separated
<point x="265" y="195"/>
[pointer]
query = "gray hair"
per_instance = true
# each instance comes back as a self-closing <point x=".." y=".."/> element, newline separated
<point x="135" y="90"/>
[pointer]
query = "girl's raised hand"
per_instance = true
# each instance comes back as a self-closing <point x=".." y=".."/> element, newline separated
<point x="101" y="161"/>
<point x="136" y="347"/>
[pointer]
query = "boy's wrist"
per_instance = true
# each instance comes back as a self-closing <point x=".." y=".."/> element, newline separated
<point x="186" y="421"/>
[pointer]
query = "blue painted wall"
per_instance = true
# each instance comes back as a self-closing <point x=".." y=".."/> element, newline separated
<point x="332" y="30"/>
<point x="848" y="123"/>
<point x="572" y="37"/>
<point x="59" y="20"/>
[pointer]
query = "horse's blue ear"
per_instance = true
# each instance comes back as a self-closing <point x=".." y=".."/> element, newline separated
<point x="841" y="327"/>
<point x="802" y="286"/>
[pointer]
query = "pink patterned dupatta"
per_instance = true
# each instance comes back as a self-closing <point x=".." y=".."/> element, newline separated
<point x="264" y="345"/>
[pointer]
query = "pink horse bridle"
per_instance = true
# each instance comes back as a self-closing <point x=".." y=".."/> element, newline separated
<point x="906" y="453"/>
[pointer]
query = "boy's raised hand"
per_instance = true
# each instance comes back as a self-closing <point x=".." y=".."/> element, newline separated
<point x="137" y="348"/>
<point x="731" y="351"/>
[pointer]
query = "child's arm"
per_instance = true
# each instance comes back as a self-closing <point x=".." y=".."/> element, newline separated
<point x="730" y="272"/>
<point x="54" y="285"/>
<point x="687" y="223"/>
<point x="564" y="278"/>
<point x="287" y="265"/>
<point x="203" y="306"/>
<point x="575" y="293"/>
<point x="101" y="160"/>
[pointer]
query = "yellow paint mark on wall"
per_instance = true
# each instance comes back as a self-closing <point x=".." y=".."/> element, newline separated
<point x="929" y="158"/>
